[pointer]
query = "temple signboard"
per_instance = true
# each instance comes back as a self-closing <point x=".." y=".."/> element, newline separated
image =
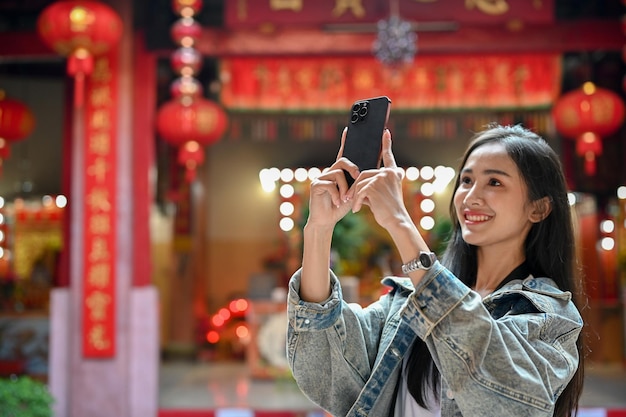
<point x="433" y="82"/>
<point x="254" y="14"/>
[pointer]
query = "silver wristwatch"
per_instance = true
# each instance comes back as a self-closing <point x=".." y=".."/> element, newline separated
<point x="425" y="261"/>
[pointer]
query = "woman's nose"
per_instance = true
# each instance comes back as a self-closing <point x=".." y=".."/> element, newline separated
<point x="472" y="197"/>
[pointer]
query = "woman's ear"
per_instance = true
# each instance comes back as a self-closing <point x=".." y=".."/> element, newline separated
<point x="541" y="209"/>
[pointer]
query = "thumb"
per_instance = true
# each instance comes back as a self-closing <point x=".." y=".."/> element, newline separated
<point x="343" y="142"/>
<point x="388" y="159"/>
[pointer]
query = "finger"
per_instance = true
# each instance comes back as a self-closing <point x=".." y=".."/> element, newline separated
<point x="351" y="168"/>
<point x="388" y="159"/>
<point x="359" y="193"/>
<point x="337" y="178"/>
<point x="323" y="186"/>
<point x="343" y="141"/>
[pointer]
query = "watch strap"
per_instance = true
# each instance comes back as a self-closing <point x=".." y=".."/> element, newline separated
<point x="416" y="264"/>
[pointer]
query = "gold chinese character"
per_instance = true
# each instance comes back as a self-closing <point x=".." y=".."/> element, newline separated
<point x="100" y="119"/>
<point x="101" y="96"/>
<point x="364" y="79"/>
<point x="481" y="81"/>
<point x="304" y="78"/>
<point x="97" y="337"/>
<point x="456" y="80"/>
<point x="295" y="5"/>
<point x="100" y="224"/>
<point x="100" y="143"/>
<point x="330" y="76"/>
<point x="97" y="303"/>
<point x="500" y="76"/>
<point x="99" y="250"/>
<point x="520" y="75"/>
<point x="283" y="79"/>
<point x="98" y="169"/>
<point x="421" y="79"/>
<point x="441" y="74"/>
<point x="262" y="74"/>
<point x="342" y="6"/>
<point x="98" y="200"/>
<point x="99" y="275"/>
<point x="101" y="72"/>
<point x="492" y="7"/>
<point x="242" y="10"/>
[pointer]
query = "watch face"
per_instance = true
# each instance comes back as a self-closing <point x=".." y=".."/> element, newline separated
<point x="425" y="260"/>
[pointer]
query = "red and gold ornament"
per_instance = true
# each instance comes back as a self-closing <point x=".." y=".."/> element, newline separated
<point x="586" y="115"/>
<point x="80" y="30"/>
<point x="16" y="123"/>
<point x="182" y="120"/>
<point x="188" y="121"/>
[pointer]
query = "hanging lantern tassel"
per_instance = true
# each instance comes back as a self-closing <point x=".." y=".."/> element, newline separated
<point x="588" y="146"/>
<point x="79" y="65"/>
<point x="191" y="155"/>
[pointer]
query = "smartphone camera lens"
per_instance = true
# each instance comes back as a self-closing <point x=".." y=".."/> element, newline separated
<point x="359" y="111"/>
<point x="363" y="110"/>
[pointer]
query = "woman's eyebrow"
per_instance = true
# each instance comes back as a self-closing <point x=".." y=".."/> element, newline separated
<point x="487" y="172"/>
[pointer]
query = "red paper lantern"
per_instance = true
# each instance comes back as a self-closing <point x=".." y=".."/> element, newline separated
<point x="16" y="120"/>
<point x="80" y="30"/>
<point x="186" y="32"/>
<point x="586" y="115"/>
<point x="185" y="119"/>
<point x="186" y="8"/>
<point x="186" y="61"/>
<point x="5" y="149"/>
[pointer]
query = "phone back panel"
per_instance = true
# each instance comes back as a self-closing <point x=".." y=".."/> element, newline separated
<point x="368" y="119"/>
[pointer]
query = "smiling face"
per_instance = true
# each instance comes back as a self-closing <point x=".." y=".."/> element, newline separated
<point x="491" y="201"/>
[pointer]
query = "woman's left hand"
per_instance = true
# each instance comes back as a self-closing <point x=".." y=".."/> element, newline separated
<point x="381" y="189"/>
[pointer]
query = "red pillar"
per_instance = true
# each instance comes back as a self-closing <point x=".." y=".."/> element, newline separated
<point x="126" y="383"/>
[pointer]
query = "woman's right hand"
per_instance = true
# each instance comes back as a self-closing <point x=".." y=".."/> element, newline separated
<point x="328" y="196"/>
<point x="328" y="203"/>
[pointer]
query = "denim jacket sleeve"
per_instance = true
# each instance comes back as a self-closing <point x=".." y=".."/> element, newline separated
<point x="332" y="346"/>
<point x="511" y="353"/>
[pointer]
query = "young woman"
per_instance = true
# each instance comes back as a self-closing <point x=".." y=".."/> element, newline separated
<point x="491" y="330"/>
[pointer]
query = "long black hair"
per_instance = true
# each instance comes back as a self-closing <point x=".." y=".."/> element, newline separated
<point x="549" y="248"/>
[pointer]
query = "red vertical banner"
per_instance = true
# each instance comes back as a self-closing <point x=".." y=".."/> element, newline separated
<point x="100" y="209"/>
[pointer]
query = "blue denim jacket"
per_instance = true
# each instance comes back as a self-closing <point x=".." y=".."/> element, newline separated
<point x="509" y="354"/>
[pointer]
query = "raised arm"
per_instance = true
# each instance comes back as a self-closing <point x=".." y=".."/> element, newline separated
<point x="328" y="203"/>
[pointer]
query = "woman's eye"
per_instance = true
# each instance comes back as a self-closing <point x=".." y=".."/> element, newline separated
<point x="494" y="182"/>
<point x="466" y="180"/>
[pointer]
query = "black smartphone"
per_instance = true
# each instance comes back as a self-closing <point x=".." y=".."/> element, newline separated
<point x="368" y="119"/>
